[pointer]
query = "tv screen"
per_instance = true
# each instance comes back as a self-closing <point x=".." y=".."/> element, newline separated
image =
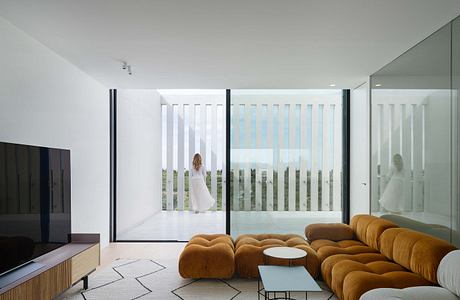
<point x="34" y="202"/>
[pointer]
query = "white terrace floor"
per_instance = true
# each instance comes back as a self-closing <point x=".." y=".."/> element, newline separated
<point x="182" y="225"/>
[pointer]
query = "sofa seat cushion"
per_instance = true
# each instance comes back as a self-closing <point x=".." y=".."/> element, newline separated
<point x="356" y="283"/>
<point x="208" y="256"/>
<point x="329" y="263"/>
<point x="325" y="248"/>
<point x="411" y="293"/>
<point x="285" y="240"/>
<point x="389" y="270"/>
<point x="208" y="240"/>
<point x="249" y="253"/>
<point x="318" y="244"/>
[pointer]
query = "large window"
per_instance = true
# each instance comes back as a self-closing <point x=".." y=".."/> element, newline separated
<point x="286" y="159"/>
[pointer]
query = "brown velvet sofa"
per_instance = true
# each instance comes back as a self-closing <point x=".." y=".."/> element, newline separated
<point x="208" y="256"/>
<point x="249" y="253"/>
<point x="374" y="253"/>
<point x="217" y="256"/>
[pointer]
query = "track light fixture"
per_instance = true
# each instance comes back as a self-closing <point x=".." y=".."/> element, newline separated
<point x="126" y="67"/>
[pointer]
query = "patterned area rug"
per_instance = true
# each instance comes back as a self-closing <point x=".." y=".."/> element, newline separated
<point x="149" y="279"/>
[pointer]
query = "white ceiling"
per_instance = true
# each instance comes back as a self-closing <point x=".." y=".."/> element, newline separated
<point x="232" y="43"/>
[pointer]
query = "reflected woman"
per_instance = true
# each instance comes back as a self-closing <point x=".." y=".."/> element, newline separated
<point x="392" y="199"/>
<point x="200" y="198"/>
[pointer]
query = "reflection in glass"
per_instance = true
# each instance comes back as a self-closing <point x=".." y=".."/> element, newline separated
<point x="412" y="143"/>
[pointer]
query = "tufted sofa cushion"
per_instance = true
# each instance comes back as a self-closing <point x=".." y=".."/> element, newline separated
<point x="412" y="260"/>
<point x="329" y="231"/>
<point x="249" y="253"/>
<point x="368" y="229"/>
<point x="448" y="277"/>
<point x="351" y="279"/>
<point x="208" y="256"/>
<point x="417" y="252"/>
<point x="365" y="230"/>
<point x="329" y="263"/>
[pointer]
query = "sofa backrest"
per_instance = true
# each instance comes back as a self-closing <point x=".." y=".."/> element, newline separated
<point x="418" y="252"/>
<point x="368" y="229"/>
<point x="449" y="272"/>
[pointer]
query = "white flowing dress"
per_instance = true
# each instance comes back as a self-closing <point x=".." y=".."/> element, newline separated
<point x="200" y="198"/>
<point x="393" y="196"/>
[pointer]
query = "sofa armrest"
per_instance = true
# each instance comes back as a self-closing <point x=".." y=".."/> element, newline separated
<point x="331" y="231"/>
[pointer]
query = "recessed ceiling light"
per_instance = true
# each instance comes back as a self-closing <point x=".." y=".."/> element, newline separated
<point x="332" y="85"/>
<point x="378" y="84"/>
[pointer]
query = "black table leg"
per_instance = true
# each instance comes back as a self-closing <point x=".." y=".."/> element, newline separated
<point x="258" y="289"/>
<point x="85" y="282"/>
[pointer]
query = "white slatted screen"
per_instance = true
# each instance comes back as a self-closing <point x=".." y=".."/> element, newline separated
<point x="400" y="130"/>
<point x="282" y="169"/>
<point x="202" y="120"/>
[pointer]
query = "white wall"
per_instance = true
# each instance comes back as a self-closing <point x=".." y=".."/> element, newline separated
<point x="138" y="157"/>
<point x="359" y="150"/>
<point x="438" y="158"/>
<point x="44" y="100"/>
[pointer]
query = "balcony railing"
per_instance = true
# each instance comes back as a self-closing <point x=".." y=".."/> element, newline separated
<point x="279" y="151"/>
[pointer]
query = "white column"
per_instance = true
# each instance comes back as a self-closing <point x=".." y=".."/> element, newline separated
<point x="191" y="146"/>
<point x="224" y="153"/>
<point x="303" y="158"/>
<point x="395" y="129"/>
<point x="406" y="136"/>
<point x="257" y="164"/>
<point x="203" y="123"/>
<point x="418" y="158"/>
<point x="385" y="146"/>
<point x="292" y="157"/>
<point x="247" y="165"/>
<point x="336" y="175"/>
<point x="236" y="148"/>
<point x="270" y="164"/>
<point x="169" y="177"/>
<point x="214" y="154"/>
<point x="314" y="158"/>
<point x="281" y="158"/>
<point x="325" y="187"/>
<point x="180" y="157"/>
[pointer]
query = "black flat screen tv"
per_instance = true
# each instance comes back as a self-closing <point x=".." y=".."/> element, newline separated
<point x="34" y="202"/>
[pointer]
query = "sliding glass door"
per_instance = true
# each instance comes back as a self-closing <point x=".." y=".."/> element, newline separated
<point x="273" y="161"/>
<point x="286" y="160"/>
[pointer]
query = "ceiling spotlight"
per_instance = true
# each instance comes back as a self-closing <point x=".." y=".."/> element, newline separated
<point x="378" y="85"/>
<point x="126" y="67"/>
<point x="332" y="85"/>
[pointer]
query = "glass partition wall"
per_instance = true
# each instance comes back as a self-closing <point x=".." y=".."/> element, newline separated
<point x="414" y="137"/>
<point x="286" y="160"/>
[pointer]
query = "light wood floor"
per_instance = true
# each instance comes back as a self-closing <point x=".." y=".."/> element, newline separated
<point x="140" y="250"/>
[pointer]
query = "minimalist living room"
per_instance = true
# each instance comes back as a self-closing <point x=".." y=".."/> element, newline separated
<point x="229" y="149"/>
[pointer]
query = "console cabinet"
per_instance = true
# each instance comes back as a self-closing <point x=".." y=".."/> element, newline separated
<point x="61" y="269"/>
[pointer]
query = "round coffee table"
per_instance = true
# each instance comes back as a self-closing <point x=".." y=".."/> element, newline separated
<point x="289" y="253"/>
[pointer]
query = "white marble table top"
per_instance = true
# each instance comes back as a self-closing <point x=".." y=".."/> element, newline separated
<point x="285" y="252"/>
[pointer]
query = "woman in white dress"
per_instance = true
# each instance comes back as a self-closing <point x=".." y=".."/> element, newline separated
<point x="200" y="198"/>
<point x="392" y="199"/>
